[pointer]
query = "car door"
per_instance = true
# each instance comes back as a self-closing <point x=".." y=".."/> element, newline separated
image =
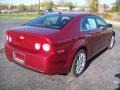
<point x="106" y="33"/>
<point x="93" y="36"/>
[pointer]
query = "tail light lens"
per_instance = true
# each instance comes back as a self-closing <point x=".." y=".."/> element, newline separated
<point x="44" y="45"/>
<point x="37" y="46"/>
<point x="7" y="37"/>
<point x="10" y="39"/>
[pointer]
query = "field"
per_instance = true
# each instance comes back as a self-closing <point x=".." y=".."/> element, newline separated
<point x="19" y="16"/>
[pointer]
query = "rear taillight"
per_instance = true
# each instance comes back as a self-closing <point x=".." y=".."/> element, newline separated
<point x="10" y="39"/>
<point x="37" y="46"/>
<point x="44" y="45"/>
<point x="7" y="37"/>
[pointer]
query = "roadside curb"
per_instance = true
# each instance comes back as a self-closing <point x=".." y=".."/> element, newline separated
<point x="2" y="50"/>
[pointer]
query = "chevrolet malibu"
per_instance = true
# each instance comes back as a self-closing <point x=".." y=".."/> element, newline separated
<point x="59" y="43"/>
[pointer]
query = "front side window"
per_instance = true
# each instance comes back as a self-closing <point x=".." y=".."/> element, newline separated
<point x="55" y="21"/>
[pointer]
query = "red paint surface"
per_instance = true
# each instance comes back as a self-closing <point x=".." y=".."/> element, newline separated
<point x="64" y="44"/>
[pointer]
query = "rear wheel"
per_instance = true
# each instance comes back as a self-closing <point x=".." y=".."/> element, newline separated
<point x="79" y="63"/>
<point x="112" y="42"/>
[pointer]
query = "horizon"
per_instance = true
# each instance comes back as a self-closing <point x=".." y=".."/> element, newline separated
<point x="31" y="2"/>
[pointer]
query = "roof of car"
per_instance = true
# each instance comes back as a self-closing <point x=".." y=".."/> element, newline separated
<point x="73" y="14"/>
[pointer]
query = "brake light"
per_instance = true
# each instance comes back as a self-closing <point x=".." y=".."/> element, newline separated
<point x="10" y="39"/>
<point x="46" y="44"/>
<point x="37" y="46"/>
<point x="7" y="37"/>
<point x="46" y="47"/>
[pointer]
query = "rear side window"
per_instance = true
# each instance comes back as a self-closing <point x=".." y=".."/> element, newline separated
<point x="88" y="23"/>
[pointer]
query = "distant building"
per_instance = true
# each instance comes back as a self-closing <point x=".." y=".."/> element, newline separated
<point x="82" y="8"/>
<point x="9" y="11"/>
<point x="104" y="8"/>
<point x="62" y="8"/>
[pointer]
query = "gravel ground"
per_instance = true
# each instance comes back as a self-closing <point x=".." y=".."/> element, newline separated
<point x="103" y="73"/>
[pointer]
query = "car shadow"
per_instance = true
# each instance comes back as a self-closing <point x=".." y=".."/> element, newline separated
<point x="118" y="76"/>
<point x="94" y="58"/>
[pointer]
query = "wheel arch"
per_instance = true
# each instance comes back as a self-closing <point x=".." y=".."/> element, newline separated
<point x="84" y="47"/>
<point x="80" y="48"/>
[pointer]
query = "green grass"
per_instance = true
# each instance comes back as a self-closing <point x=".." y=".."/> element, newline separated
<point x="19" y="16"/>
<point x="25" y="16"/>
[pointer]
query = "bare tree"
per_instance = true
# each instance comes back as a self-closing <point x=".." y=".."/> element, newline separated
<point x="39" y="8"/>
<point x="21" y="7"/>
<point x="93" y="6"/>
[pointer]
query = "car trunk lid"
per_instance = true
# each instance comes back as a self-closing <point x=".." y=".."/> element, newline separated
<point x="25" y="37"/>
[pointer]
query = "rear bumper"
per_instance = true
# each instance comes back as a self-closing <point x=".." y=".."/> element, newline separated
<point x="44" y="63"/>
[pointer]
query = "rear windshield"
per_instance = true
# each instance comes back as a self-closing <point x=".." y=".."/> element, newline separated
<point x="55" y="21"/>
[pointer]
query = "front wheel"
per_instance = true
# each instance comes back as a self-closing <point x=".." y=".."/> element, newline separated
<point x="112" y="42"/>
<point x="79" y="63"/>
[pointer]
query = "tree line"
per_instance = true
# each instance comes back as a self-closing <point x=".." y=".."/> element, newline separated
<point x="93" y="5"/>
<point x="46" y="5"/>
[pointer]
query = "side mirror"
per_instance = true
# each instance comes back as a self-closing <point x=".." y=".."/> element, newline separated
<point x="109" y="25"/>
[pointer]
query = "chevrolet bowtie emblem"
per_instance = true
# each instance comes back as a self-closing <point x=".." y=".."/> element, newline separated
<point x="21" y="37"/>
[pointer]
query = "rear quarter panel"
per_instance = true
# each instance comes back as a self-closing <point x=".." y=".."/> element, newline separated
<point x="68" y="41"/>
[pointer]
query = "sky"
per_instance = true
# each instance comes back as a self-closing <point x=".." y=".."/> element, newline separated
<point x="29" y="2"/>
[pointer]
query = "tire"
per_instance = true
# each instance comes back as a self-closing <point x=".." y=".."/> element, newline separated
<point x="79" y="63"/>
<point x="112" y="42"/>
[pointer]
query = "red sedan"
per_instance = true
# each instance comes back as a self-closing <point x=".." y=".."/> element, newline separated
<point x="59" y="43"/>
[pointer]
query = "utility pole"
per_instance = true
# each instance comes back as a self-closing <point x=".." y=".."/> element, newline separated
<point x="39" y="7"/>
<point x="9" y="7"/>
<point x="88" y="5"/>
